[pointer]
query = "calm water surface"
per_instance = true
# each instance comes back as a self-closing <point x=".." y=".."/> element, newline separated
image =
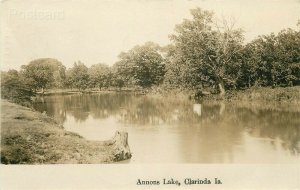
<point x="174" y="131"/>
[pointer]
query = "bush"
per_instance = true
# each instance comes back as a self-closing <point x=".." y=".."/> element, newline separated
<point x="14" y="89"/>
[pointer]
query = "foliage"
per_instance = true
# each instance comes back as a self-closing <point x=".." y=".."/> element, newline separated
<point x="142" y="65"/>
<point x="44" y="73"/>
<point x="205" y="52"/>
<point x="172" y="77"/>
<point x="100" y="76"/>
<point x="14" y="89"/>
<point x="117" y="80"/>
<point x="272" y="60"/>
<point x="77" y="76"/>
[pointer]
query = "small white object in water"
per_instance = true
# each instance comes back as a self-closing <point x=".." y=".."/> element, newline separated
<point x="197" y="109"/>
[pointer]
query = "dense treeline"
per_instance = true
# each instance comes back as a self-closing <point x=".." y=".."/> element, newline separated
<point x="205" y="54"/>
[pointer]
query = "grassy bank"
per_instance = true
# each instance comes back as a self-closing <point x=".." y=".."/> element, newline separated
<point x="279" y="94"/>
<point x="29" y="137"/>
<point x="280" y="98"/>
<point x="267" y="94"/>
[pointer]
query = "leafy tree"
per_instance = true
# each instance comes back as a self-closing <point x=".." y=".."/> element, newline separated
<point x="173" y="68"/>
<point x="207" y="52"/>
<point x="288" y="44"/>
<point x="99" y="75"/>
<point x="118" y="76"/>
<point x="118" y="81"/>
<point x="248" y="72"/>
<point x="13" y="88"/>
<point x="142" y="65"/>
<point x="59" y="74"/>
<point x="273" y="60"/>
<point x="43" y="73"/>
<point x="77" y="76"/>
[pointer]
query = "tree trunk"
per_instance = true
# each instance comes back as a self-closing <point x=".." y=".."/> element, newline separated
<point x="42" y="90"/>
<point x="249" y="82"/>
<point x="222" y="108"/>
<point x="221" y="88"/>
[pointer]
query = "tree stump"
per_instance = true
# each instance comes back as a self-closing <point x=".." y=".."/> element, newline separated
<point x="119" y="146"/>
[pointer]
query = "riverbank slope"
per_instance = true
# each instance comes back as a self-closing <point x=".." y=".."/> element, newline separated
<point x="29" y="137"/>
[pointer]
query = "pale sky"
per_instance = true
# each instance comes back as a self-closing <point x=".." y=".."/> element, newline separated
<point x="97" y="31"/>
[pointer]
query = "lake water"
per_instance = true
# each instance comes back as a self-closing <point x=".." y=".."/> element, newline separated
<point x="175" y="131"/>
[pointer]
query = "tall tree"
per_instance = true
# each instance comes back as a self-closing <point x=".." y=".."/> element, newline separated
<point x="207" y="52"/>
<point x="172" y="77"/>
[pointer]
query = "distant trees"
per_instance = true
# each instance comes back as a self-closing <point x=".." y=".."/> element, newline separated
<point x="99" y="76"/>
<point x="77" y="76"/>
<point x="142" y="65"/>
<point x="118" y="81"/>
<point x="44" y="73"/>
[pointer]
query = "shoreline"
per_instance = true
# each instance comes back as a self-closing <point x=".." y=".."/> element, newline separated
<point x="279" y="94"/>
<point x="89" y="91"/>
<point x="30" y="137"/>
<point x="280" y="98"/>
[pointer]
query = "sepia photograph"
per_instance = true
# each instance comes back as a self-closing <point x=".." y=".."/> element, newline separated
<point x="142" y="87"/>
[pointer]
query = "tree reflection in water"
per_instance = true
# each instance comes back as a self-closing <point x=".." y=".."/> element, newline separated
<point x="211" y="129"/>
